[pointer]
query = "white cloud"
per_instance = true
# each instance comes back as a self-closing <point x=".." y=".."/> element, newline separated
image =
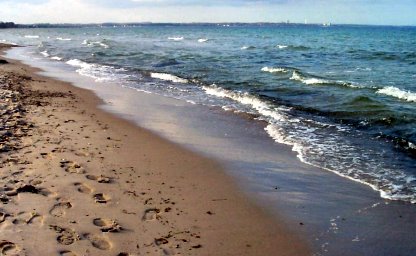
<point x="81" y="11"/>
<point x="96" y="11"/>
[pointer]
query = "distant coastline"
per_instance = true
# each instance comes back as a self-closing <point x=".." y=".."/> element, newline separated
<point x="4" y="25"/>
<point x="8" y="25"/>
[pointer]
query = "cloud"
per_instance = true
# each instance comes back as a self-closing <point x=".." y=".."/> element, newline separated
<point x="177" y="3"/>
<point x="315" y="11"/>
<point x="24" y="1"/>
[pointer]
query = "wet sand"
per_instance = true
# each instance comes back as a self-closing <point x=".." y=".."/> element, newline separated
<point x="76" y="180"/>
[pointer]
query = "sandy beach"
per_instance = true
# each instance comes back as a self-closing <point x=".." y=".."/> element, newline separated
<point x="76" y="180"/>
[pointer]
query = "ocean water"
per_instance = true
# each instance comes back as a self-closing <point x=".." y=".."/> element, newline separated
<point x="343" y="97"/>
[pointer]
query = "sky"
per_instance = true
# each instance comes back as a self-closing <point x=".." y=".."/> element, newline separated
<point x="375" y="12"/>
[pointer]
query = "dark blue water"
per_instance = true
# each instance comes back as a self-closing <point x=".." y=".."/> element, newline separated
<point x="344" y="97"/>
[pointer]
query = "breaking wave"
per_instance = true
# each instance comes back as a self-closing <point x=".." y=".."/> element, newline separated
<point x="169" y="77"/>
<point x="274" y="70"/>
<point x="398" y="93"/>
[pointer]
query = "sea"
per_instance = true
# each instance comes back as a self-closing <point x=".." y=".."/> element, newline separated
<point x="342" y="97"/>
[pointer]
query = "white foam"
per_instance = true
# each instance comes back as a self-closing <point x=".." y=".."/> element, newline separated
<point x="398" y="93"/>
<point x="169" y="77"/>
<point x="410" y="179"/>
<point x="202" y="40"/>
<point x="56" y="58"/>
<point x="78" y="63"/>
<point x="318" y="81"/>
<point x="7" y="42"/>
<point x="31" y="36"/>
<point x="245" y="99"/>
<point x="309" y="81"/>
<point x="100" y="73"/>
<point x="274" y="70"/>
<point x="176" y="38"/>
<point x="106" y="46"/>
<point x="45" y="53"/>
<point x="387" y="191"/>
<point x="96" y="43"/>
<point x="281" y="46"/>
<point x="63" y="39"/>
<point x="245" y="47"/>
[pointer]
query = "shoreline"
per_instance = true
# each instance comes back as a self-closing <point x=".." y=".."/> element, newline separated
<point x="175" y="204"/>
<point x="339" y="216"/>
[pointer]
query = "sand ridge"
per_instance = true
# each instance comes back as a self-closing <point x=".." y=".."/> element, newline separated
<point x="77" y="181"/>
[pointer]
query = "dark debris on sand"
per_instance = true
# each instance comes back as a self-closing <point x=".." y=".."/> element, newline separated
<point x="15" y="99"/>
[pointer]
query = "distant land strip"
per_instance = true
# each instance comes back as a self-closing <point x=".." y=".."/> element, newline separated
<point x="4" y="25"/>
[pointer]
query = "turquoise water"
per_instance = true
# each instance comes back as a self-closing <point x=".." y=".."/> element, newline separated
<point x="344" y="97"/>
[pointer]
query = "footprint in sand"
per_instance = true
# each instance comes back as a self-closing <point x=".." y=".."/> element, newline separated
<point x="28" y="218"/>
<point x="58" y="210"/>
<point x="99" y="179"/>
<point x="82" y="153"/>
<point x="46" y="155"/>
<point x="67" y="253"/>
<point x="27" y="188"/>
<point x="71" y="167"/>
<point x="101" y="198"/>
<point x="83" y="188"/>
<point x="107" y="225"/>
<point x="66" y="236"/>
<point x="163" y="243"/>
<point x="8" y="248"/>
<point x="151" y="214"/>
<point x="98" y="242"/>
<point x="3" y="216"/>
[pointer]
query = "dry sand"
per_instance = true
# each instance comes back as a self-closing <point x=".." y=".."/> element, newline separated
<point x="75" y="180"/>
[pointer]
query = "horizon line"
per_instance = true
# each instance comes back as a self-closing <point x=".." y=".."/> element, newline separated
<point x="204" y="23"/>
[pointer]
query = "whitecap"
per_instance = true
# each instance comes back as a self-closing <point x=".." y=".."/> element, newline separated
<point x="319" y="81"/>
<point x="95" y="43"/>
<point x="169" y="77"/>
<point x="45" y="53"/>
<point x="175" y="38"/>
<point x="309" y="81"/>
<point x="281" y="46"/>
<point x="247" y="47"/>
<point x="398" y="93"/>
<point x="31" y="36"/>
<point x="202" y="40"/>
<point x="63" y="39"/>
<point x="274" y="70"/>
<point x="56" y="58"/>
<point x="103" y="45"/>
